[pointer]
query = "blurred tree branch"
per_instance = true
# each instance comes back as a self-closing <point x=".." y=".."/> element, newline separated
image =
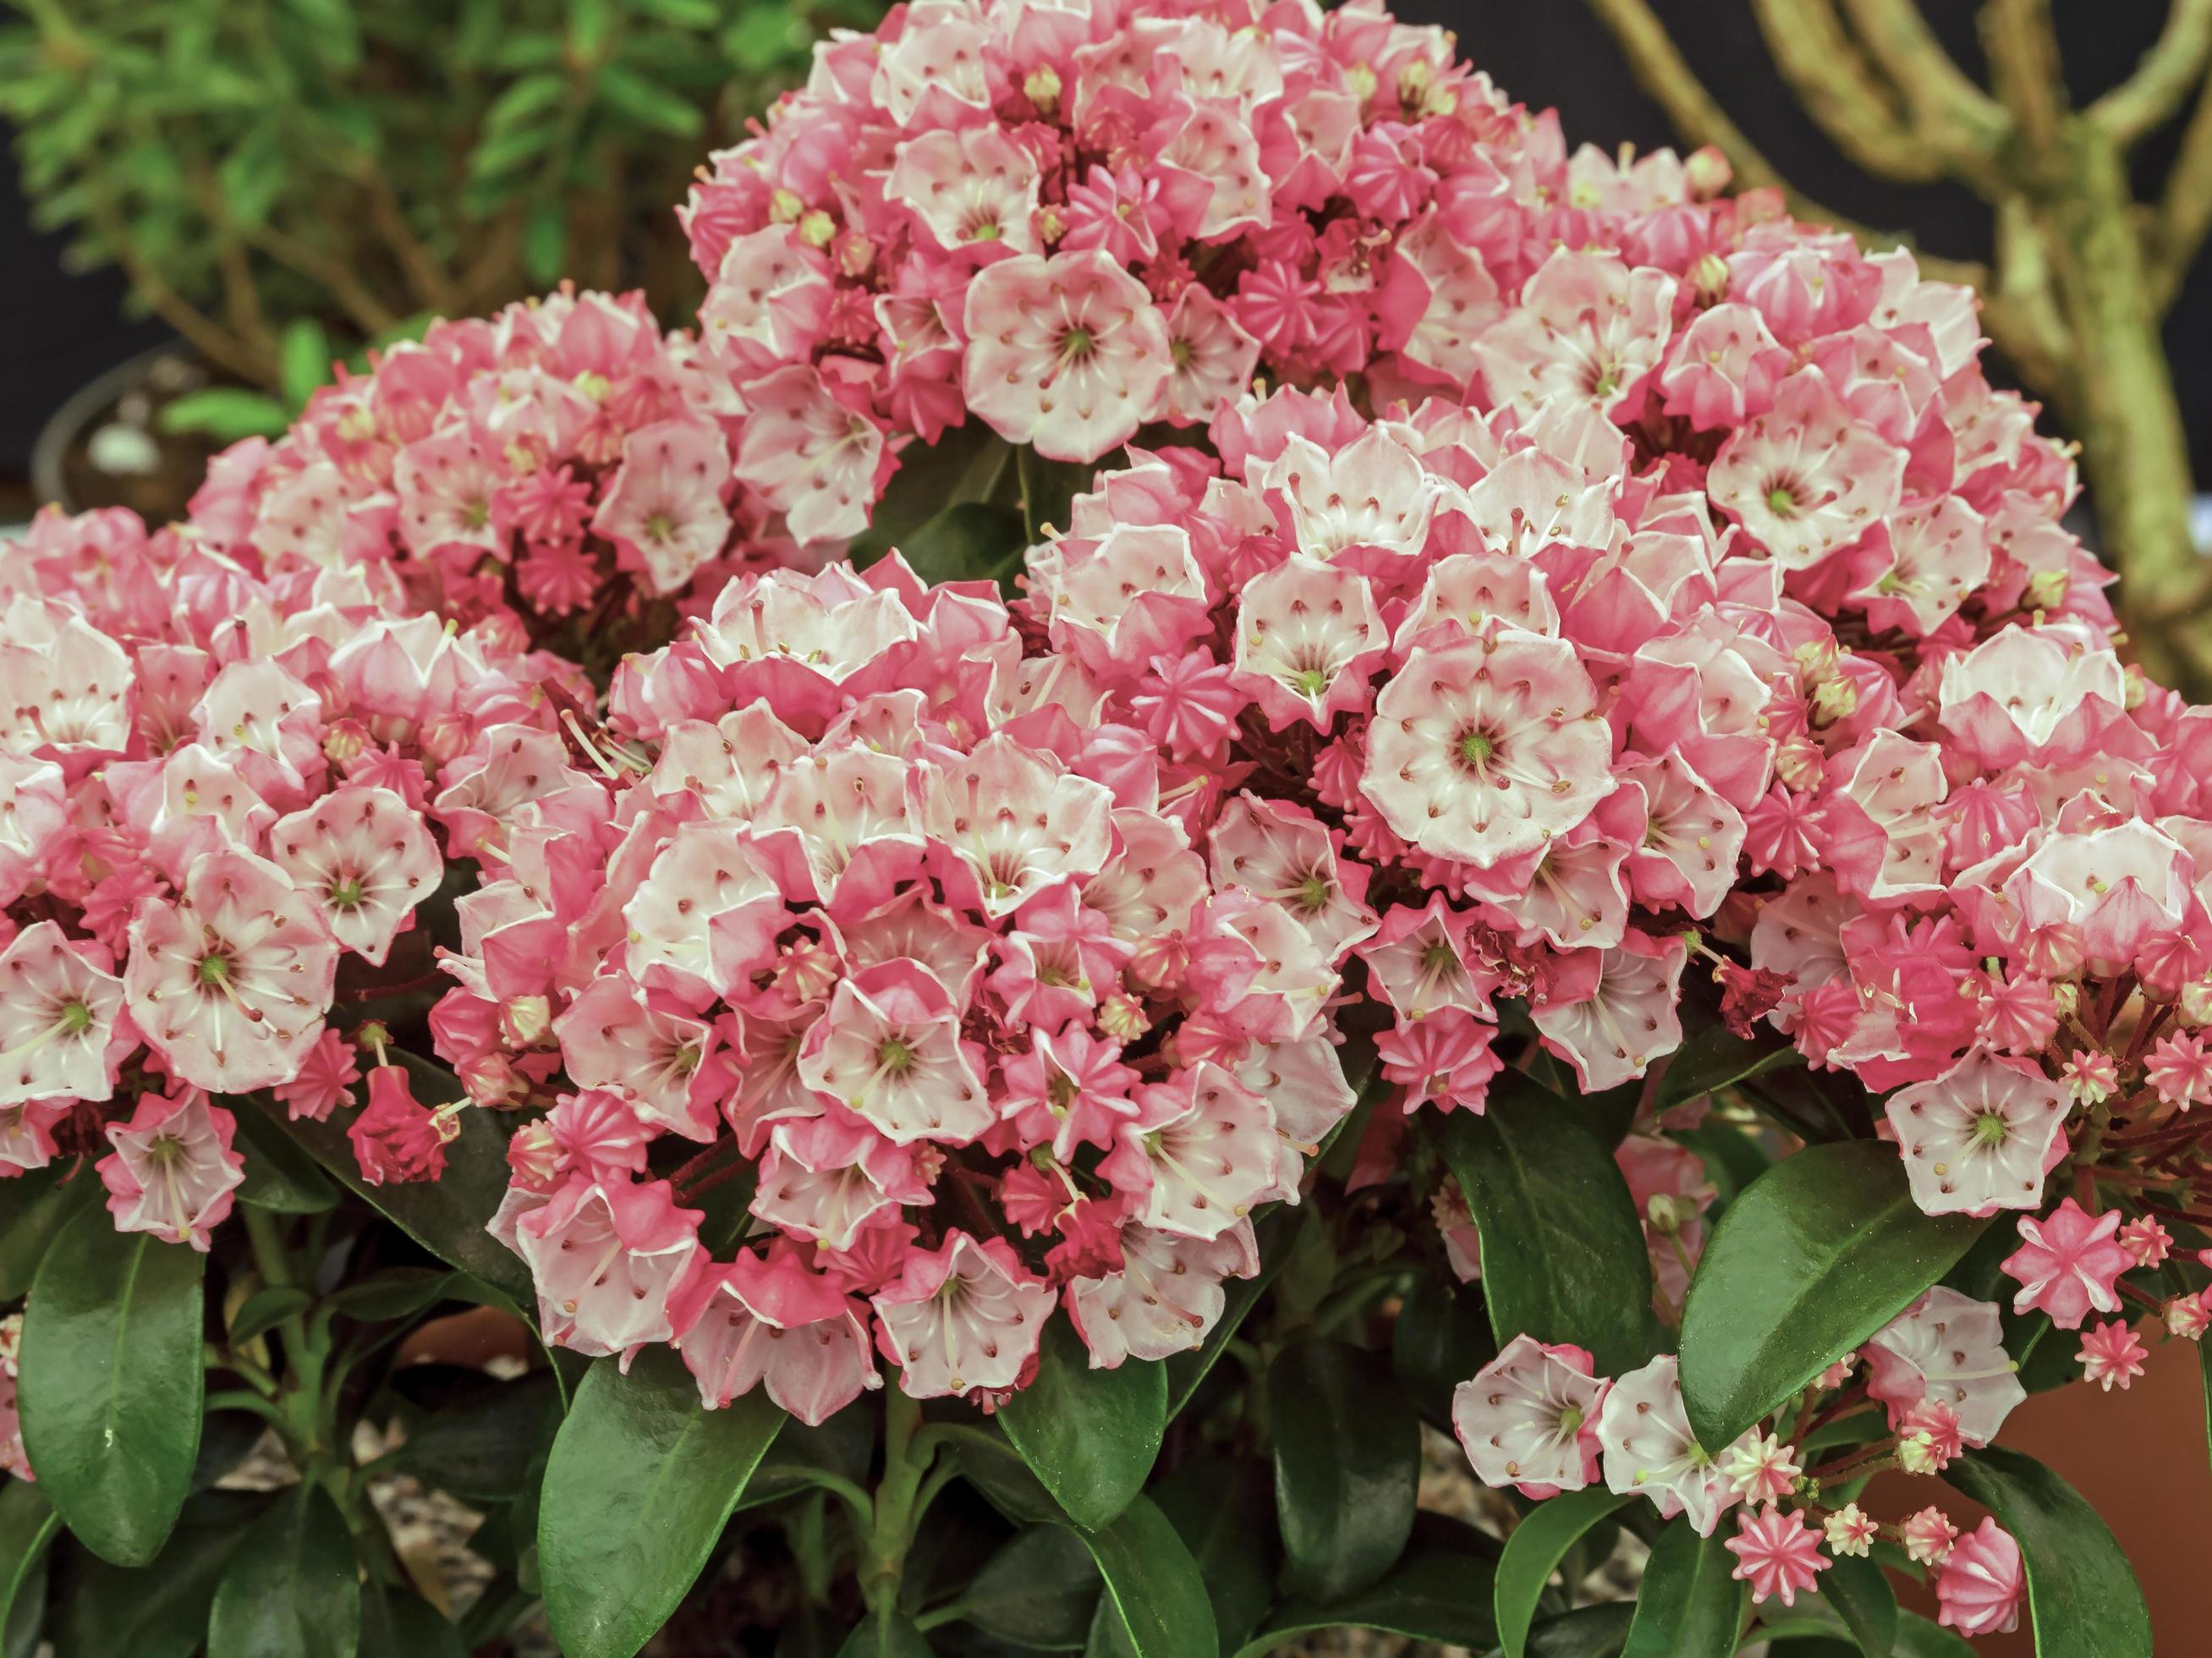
<point x="2083" y="272"/>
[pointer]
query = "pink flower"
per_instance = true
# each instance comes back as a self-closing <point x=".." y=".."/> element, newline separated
<point x="1163" y="1298"/>
<point x="965" y="1317"/>
<point x="326" y="1081"/>
<point x="1979" y="1583"/>
<point x="2181" y="1069"/>
<point x="2068" y="1264"/>
<point x="768" y="1320"/>
<point x="1069" y="353"/>
<point x="173" y="1172"/>
<point x="606" y="1254"/>
<point x="1928" y="1535"/>
<point x="59" y="1019"/>
<point x="1776" y="1553"/>
<point x="1980" y="1137"/>
<point x="366" y="858"/>
<point x="2112" y="1356"/>
<point x="230" y="982"/>
<point x="1648" y="1447"/>
<point x="1528" y="1418"/>
<point x="395" y="1137"/>
<point x="1947" y="1348"/>
<point x="1445" y="1057"/>
<point x="1849" y="1530"/>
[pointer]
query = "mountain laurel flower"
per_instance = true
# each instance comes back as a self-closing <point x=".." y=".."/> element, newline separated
<point x="2112" y="1356"/>
<point x="1849" y="1530"/>
<point x="1776" y="1553"/>
<point x="2068" y="1264"/>
<point x="1928" y="1535"/>
<point x="1528" y="1418"/>
<point x="1761" y="1469"/>
<point x="1979" y="1582"/>
<point x="173" y="1172"/>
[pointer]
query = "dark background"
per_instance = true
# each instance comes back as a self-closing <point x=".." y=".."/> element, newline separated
<point x="63" y="328"/>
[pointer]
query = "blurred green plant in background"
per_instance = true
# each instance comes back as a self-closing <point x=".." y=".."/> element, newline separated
<point x="283" y="181"/>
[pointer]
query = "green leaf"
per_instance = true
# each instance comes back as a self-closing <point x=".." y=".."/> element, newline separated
<point x="397" y="1624"/>
<point x="1049" y="490"/>
<point x="1533" y="1553"/>
<point x="1918" y="1638"/>
<point x="1563" y="1252"/>
<point x="395" y="1292"/>
<point x="292" y="1589"/>
<point x="545" y="241"/>
<point x="34" y="1206"/>
<point x="1441" y="1337"/>
<point x="265" y="1309"/>
<point x="279" y="1176"/>
<point x="651" y="106"/>
<point x="445" y="1216"/>
<point x="968" y="462"/>
<point x="1225" y="1512"/>
<point x="639" y="1484"/>
<point x="225" y="414"/>
<point x="159" y="1611"/>
<point x="1690" y="1606"/>
<point x="1039" y="1591"/>
<point x="880" y="1636"/>
<point x="112" y="1383"/>
<point x="969" y="541"/>
<point x="1712" y="1057"/>
<point x="1811" y="1258"/>
<point x="1862" y="1595"/>
<point x="526" y="99"/>
<point x="1153" y="1583"/>
<point x="2081" y="1594"/>
<point x="1432" y="1594"/>
<point x="482" y="1450"/>
<point x="1347" y="1466"/>
<point x="1586" y="1633"/>
<point x="27" y="1525"/>
<point x="1092" y="1436"/>
<point x="304" y="357"/>
<point x="1275" y="1233"/>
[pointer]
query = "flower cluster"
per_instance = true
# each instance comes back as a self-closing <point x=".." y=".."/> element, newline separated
<point x="563" y="465"/>
<point x="218" y="783"/>
<point x="878" y="917"/>
<point x="1074" y="223"/>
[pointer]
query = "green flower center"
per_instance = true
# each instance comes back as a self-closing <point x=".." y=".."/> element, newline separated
<point x="76" y="1017"/>
<point x="1992" y="1129"/>
<point x="1781" y="502"/>
<point x="893" y="1057"/>
<point x="214" y="970"/>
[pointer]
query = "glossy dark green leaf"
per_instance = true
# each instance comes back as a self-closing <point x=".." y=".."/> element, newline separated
<point x="1862" y="1597"/>
<point x="969" y="541"/>
<point x="482" y="1450"/>
<point x="1689" y="1607"/>
<point x="1151" y="1579"/>
<point x="1225" y="1512"/>
<point x="639" y="1484"/>
<point x="1090" y="1435"/>
<point x="27" y="1525"/>
<point x="293" y="1590"/>
<point x="969" y="462"/>
<point x="265" y="1309"/>
<point x="995" y="1468"/>
<point x="1441" y="1336"/>
<point x="1048" y="487"/>
<point x="395" y="1624"/>
<point x="279" y="1176"/>
<point x="1732" y="1157"/>
<point x="882" y="1637"/>
<point x="159" y="1611"/>
<point x="34" y="1206"/>
<point x="1276" y="1233"/>
<point x="394" y="1293"/>
<point x="1811" y="1258"/>
<point x="1347" y="1445"/>
<point x="1431" y="1595"/>
<point x="1712" y="1057"/>
<point x="1917" y="1637"/>
<point x="1563" y="1251"/>
<point x="1039" y="1591"/>
<point x="2082" y="1595"/>
<point x="445" y="1216"/>
<point x="1586" y="1633"/>
<point x="112" y="1383"/>
<point x="1533" y="1553"/>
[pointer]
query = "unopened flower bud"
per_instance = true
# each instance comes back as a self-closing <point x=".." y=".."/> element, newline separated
<point x="1709" y="279"/>
<point x="492" y="1082"/>
<point x="817" y="228"/>
<point x="533" y="1156"/>
<point x="2194" y="1003"/>
<point x="1664" y="1212"/>
<point x="1122" y="1017"/>
<point x="1041" y="88"/>
<point x="1833" y="699"/>
<point x="526" y="1021"/>
<point x="1707" y="173"/>
<point x="1049" y="224"/>
<point x="1916" y="1451"/>
<point x="2046" y="590"/>
<point x="785" y="206"/>
<point x="345" y="743"/>
<point x="854" y="254"/>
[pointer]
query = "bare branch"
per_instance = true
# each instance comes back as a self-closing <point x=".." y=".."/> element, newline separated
<point x="2184" y="208"/>
<point x="1833" y="80"/>
<point x="1949" y="110"/>
<point x="2167" y="73"/>
<point x="2023" y="49"/>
